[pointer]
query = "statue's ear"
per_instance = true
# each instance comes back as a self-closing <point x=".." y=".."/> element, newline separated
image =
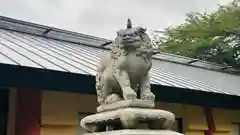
<point x="143" y="29"/>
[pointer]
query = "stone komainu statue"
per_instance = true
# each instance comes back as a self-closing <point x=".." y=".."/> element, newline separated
<point x="125" y="73"/>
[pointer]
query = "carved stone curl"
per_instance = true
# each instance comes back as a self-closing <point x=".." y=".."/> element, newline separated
<point x="130" y="119"/>
<point x="137" y="132"/>
<point x="138" y="103"/>
<point x="126" y="71"/>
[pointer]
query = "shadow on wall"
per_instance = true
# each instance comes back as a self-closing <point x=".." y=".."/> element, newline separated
<point x="3" y="111"/>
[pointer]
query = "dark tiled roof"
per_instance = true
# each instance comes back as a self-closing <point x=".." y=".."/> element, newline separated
<point x="37" y="46"/>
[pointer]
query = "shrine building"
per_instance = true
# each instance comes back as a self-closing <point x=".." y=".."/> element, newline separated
<point x="47" y="84"/>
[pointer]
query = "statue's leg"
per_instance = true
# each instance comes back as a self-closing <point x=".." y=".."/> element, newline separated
<point x="145" y="89"/>
<point x="124" y="82"/>
<point x="106" y="89"/>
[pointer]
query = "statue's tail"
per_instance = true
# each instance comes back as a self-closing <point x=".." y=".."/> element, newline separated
<point x="97" y="79"/>
<point x="98" y="88"/>
<point x="104" y="62"/>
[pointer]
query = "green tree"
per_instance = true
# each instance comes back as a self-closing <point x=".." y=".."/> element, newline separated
<point x="212" y="36"/>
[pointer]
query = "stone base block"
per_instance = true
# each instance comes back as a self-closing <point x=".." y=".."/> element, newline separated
<point x="136" y="132"/>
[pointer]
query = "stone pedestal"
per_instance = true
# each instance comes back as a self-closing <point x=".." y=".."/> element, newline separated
<point x="126" y="117"/>
<point x="137" y="132"/>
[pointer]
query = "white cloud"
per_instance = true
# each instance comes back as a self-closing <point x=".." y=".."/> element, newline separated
<point x="103" y="17"/>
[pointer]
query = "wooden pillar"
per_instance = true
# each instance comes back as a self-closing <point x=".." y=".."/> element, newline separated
<point x="218" y="121"/>
<point x="210" y="122"/>
<point x="28" y="113"/>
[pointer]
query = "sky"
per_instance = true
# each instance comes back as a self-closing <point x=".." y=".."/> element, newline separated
<point x="103" y="17"/>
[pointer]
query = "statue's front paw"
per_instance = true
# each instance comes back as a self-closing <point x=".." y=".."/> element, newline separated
<point x="148" y="96"/>
<point x="129" y="94"/>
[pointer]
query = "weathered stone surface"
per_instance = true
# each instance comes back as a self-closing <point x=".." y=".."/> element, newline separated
<point x="126" y="71"/>
<point x="124" y="92"/>
<point x="138" y="103"/>
<point x="130" y="118"/>
<point x="136" y="132"/>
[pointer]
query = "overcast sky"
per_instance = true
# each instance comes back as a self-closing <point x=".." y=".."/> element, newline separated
<point x="103" y="17"/>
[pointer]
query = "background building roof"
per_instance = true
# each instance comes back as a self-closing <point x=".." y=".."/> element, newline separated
<point x="37" y="46"/>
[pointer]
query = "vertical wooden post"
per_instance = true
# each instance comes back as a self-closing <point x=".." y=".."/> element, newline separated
<point x="210" y="122"/>
<point x="28" y="113"/>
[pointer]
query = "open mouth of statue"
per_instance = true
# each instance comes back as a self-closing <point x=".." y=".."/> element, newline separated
<point x="128" y="41"/>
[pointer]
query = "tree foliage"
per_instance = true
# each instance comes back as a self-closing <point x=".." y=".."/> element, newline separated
<point x="212" y="36"/>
